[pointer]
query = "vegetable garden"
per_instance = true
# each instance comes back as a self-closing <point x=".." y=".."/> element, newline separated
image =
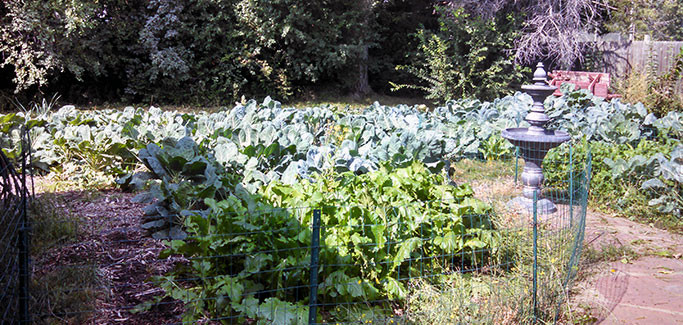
<point x="265" y="214"/>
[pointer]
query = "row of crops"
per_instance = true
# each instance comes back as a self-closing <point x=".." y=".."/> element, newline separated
<point x="218" y="173"/>
<point x="268" y="142"/>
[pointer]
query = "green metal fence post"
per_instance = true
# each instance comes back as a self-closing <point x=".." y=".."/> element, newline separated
<point x="571" y="188"/>
<point x="589" y="165"/>
<point x="315" y="259"/>
<point x="535" y="252"/>
<point x="516" y="163"/>
<point x="24" y="228"/>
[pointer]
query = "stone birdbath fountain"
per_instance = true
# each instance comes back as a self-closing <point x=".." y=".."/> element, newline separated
<point x="534" y="143"/>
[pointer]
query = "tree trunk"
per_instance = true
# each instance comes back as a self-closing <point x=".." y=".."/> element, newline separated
<point x="361" y="87"/>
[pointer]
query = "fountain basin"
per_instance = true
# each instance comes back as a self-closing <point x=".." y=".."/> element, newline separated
<point x="525" y="138"/>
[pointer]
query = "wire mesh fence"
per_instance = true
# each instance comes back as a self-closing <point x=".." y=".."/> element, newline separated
<point x="14" y="240"/>
<point x="456" y="260"/>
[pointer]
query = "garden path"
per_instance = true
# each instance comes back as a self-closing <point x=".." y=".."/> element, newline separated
<point x="641" y="281"/>
<point x="112" y="243"/>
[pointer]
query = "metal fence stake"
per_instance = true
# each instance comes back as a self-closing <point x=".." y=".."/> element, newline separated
<point x="315" y="256"/>
<point x="516" y="164"/>
<point x="571" y="189"/>
<point x="535" y="252"/>
<point x="24" y="244"/>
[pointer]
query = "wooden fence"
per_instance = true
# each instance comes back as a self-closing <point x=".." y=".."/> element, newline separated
<point x="619" y="56"/>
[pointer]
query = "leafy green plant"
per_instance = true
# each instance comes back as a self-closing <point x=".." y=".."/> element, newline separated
<point x="495" y="148"/>
<point x="274" y="143"/>
<point x="408" y="212"/>
<point x="665" y="187"/>
<point x="638" y="181"/>
<point x="184" y="178"/>
<point x="271" y="143"/>
<point x="466" y="57"/>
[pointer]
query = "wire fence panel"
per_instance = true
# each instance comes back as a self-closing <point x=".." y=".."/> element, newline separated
<point x="14" y="240"/>
<point x="456" y="260"/>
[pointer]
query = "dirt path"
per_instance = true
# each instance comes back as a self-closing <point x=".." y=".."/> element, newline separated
<point x="641" y="281"/>
<point x="124" y="259"/>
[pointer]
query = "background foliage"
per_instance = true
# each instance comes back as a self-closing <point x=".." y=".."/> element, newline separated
<point x="662" y="20"/>
<point x="214" y="52"/>
<point x="207" y="52"/>
<point x="467" y="56"/>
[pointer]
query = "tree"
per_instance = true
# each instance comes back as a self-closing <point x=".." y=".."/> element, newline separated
<point x="362" y="85"/>
<point x="551" y="30"/>
<point x="662" y="19"/>
<point x="467" y="56"/>
<point x="204" y="51"/>
<point x="59" y="45"/>
<point x="28" y="34"/>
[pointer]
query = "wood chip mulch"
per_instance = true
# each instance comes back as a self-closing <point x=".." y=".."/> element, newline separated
<point x="123" y="256"/>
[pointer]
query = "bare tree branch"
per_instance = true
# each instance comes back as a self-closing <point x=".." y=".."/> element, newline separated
<point x="552" y="29"/>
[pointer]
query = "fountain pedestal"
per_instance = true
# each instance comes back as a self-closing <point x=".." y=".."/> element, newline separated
<point x="534" y="143"/>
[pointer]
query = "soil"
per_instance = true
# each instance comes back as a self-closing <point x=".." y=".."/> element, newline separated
<point x="125" y="259"/>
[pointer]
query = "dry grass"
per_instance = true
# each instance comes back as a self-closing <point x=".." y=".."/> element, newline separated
<point x="500" y="291"/>
<point x="466" y="299"/>
<point x="641" y="87"/>
<point x="635" y="87"/>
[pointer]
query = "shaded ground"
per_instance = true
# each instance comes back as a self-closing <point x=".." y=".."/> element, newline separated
<point x="637" y="277"/>
<point x="113" y="245"/>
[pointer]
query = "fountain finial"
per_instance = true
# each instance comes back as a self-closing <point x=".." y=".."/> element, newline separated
<point x="538" y="91"/>
<point x="540" y="76"/>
